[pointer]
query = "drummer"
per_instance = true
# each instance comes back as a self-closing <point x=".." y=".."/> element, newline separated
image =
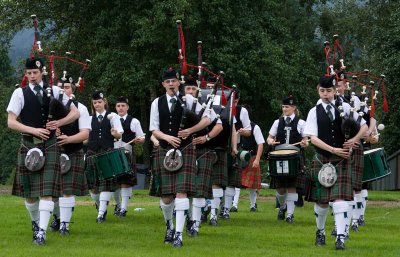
<point x="323" y="125"/>
<point x="101" y="140"/>
<point x="133" y="133"/>
<point x="288" y="129"/>
<point x="73" y="181"/>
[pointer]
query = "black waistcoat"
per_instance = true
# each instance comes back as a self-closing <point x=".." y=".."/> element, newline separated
<point x="100" y="137"/>
<point x="329" y="131"/>
<point x="249" y="143"/>
<point x="295" y="136"/>
<point x="34" y="114"/>
<point x="70" y="130"/>
<point x="128" y="134"/>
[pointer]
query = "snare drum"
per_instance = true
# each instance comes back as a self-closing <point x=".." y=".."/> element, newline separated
<point x="375" y="165"/>
<point x="112" y="164"/>
<point x="284" y="163"/>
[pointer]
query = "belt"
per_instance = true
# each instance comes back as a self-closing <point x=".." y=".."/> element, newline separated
<point x="33" y="139"/>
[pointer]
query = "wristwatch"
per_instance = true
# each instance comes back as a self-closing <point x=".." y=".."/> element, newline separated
<point x="207" y="138"/>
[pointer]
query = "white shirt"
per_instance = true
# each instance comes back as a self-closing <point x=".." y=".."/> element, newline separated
<point x="134" y="126"/>
<point x="311" y="127"/>
<point x="244" y="117"/>
<point x="84" y="117"/>
<point x="17" y="101"/>
<point x="258" y="135"/>
<point x="155" y="115"/>
<point x="115" y="122"/>
<point x="300" y="126"/>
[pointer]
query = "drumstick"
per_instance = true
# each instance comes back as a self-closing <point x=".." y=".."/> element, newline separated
<point x="130" y="142"/>
<point x="308" y="140"/>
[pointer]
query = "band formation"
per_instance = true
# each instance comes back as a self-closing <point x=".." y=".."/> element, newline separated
<point x="205" y="148"/>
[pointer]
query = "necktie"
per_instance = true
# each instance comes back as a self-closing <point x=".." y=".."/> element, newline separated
<point x="39" y="96"/>
<point x="287" y="120"/>
<point x="122" y="120"/>
<point x="100" y="118"/>
<point x="328" y="111"/>
<point x="173" y="103"/>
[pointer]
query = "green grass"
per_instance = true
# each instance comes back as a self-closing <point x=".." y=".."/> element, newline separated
<point x="246" y="234"/>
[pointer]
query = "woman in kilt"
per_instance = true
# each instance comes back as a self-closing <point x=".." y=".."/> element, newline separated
<point x="324" y="126"/>
<point x="166" y="119"/>
<point x="28" y="112"/>
<point x="101" y="140"/>
<point x="288" y="129"/>
<point x="73" y="181"/>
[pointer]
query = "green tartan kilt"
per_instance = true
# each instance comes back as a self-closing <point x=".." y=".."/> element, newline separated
<point x="341" y="190"/>
<point x="92" y="176"/>
<point x="234" y="172"/>
<point x="74" y="181"/>
<point x="45" y="182"/>
<point x="357" y="167"/>
<point x="219" y="174"/>
<point x="129" y="178"/>
<point x="166" y="182"/>
<point x="203" y="173"/>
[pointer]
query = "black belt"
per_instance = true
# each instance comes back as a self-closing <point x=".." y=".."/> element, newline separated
<point x="30" y="139"/>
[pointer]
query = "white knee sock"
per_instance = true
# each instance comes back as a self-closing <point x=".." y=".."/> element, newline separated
<point x="340" y="211"/>
<point x="33" y="209"/>
<point x="253" y="197"/>
<point x="56" y="210"/>
<point x="357" y="210"/>
<point x="216" y="201"/>
<point x="105" y="198"/>
<point x="236" y="197"/>
<point x="45" y="210"/>
<point x="350" y="211"/>
<point x="320" y="216"/>
<point x="229" y="193"/>
<point x="95" y="197"/>
<point x="168" y="210"/>
<point x="281" y="199"/>
<point x="198" y="203"/>
<point x="117" y="196"/>
<point x="364" y="194"/>
<point x="290" y="199"/>
<point x="181" y="206"/>
<point x="67" y="205"/>
<point x="126" y="194"/>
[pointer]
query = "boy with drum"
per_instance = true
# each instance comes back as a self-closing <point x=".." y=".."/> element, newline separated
<point x="331" y="166"/>
<point x="287" y="130"/>
<point x="106" y="127"/>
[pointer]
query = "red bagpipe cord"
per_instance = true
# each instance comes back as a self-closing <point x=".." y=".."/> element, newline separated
<point x="182" y="57"/>
<point x="385" y="103"/>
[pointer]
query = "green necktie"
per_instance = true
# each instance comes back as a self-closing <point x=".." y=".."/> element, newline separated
<point x="39" y="96"/>
<point x="173" y="103"/>
<point x="328" y="111"/>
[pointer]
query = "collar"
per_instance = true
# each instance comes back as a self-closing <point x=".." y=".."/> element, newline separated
<point x="169" y="97"/>
<point x="31" y="86"/>
<point x="123" y="117"/>
<point x="103" y="113"/>
<point x="291" y="117"/>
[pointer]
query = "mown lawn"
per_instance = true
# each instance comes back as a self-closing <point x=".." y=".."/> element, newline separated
<point x="246" y="234"/>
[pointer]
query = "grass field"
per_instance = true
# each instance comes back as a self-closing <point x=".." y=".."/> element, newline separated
<point x="246" y="234"/>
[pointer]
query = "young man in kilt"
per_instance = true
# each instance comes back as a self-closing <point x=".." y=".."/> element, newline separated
<point x="73" y="181"/>
<point x="132" y="132"/>
<point x="101" y="140"/>
<point x="324" y="126"/>
<point x="28" y="112"/>
<point x="288" y="129"/>
<point x="167" y="124"/>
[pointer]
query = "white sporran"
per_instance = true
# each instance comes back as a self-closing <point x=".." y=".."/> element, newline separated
<point x="327" y="175"/>
<point x="34" y="159"/>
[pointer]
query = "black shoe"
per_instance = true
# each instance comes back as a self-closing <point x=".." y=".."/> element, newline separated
<point x="319" y="238"/>
<point x="35" y="230"/>
<point x="281" y="213"/>
<point x="214" y="222"/>
<point x="177" y="240"/>
<point x="101" y="218"/>
<point x="203" y="218"/>
<point x="334" y="233"/>
<point x="117" y="210"/>
<point x="361" y="221"/>
<point x="225" y="215"/>
<point x="55" y="224"/>
<point x="169" y="236"/>
<point x="234" y="209"/>
<point x="189" y="224"/>
<point x="121" y="213"/>
<point x="221" y="213"/>
<point x="40" y="237"/>
<point x="354" y="227"/>
<point x="339" y="243"/>
<point x="253" y="209"/>
<point x="299" y="202"/>
<point x="193" y="233"/>
<point x="64" y="231"/>
<point x="289" y="219"/>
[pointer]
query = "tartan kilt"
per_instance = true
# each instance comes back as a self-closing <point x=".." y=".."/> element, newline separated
<point x="171" y="182"/>
<point x="74" y="181"/>
<point x="92" y="176"/>
<point x="45" y="182"/>
<point x="251" y="177"/>
<point x="357" y="168"/>
<point x="155" y="178"/>
<point x="131" y="177"/>
<point x="220" y="170"/>
<point x="203" y="173"/>
<point x="341" y="190"/>
<point x="234" y="172"/>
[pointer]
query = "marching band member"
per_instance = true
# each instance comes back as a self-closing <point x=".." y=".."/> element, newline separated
<point x="101" y="139"/>
<point x="73" y="182"/>
<point x="323" y="125"/>
<point x="37" y="182"/>
<point x="288" y="128"/>
<point x="132" y="131"/>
